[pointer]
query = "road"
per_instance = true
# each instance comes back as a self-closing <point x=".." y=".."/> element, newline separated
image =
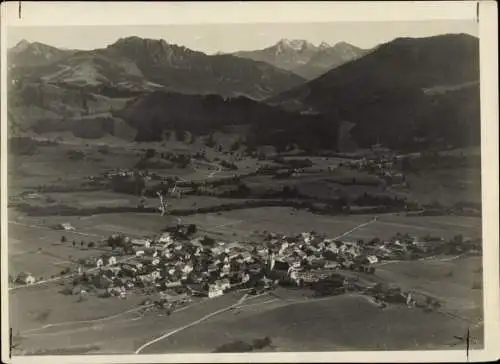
<point x="196" y="322"/>
<point x="356" y="228"/>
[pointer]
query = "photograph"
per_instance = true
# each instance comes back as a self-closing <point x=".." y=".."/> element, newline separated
<point x="250" y="187"/>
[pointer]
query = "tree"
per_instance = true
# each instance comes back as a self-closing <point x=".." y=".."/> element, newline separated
<point x="74" y="243"/>
<point x="90" y="244"/>
<point x="235" y="146"/>
<point x="191" y="229"/>
<point x="150" y="153"/>
<point x="210" y="142"/>
<point x="63" y="239"/>
<point x="82" y="243"/>
<point x="180" y="135"/>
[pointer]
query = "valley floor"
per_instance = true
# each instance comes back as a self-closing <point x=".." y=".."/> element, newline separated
<point x="46" y="322"/>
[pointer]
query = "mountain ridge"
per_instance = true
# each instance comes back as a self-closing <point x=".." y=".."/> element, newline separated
<point x="296" y="55"/>
<point x="383" y="92"/>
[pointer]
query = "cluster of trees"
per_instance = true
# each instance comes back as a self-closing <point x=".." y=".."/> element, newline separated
<point x="89" y="245"/>
<point x="376" y="200"/>
<point x="228" y="165"/>
<point x="22" y="146"/>
<point x="76" y="155"/>
<point x="130" y="185"/>
<point x="242" y="347"/>
<point x="182" y="160"/>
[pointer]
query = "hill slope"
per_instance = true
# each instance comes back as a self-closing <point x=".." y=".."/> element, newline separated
<point x="408" y="92"/>
<point x="156" y="112"/>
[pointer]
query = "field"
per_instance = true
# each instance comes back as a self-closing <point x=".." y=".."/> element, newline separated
<point x="46" y="321"/>
<point x="334" y="323"/>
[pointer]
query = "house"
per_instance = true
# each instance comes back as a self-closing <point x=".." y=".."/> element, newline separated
<point x="111" y="261"/>
<point x="307" y="237"/>
<point x="150" y="261"/>
<point x="155" y="274"/>
<point x="113" y="270"/>
<point x="129" y="270"/>
<point x="25" y="278"/>
<point x="244" y="277"/>
<point x="137" y="265"/>
<point x="214" y="291"/>
<point x="283" y="247"/>
<point x="216" y="251"/>
<point x="99" y="263"/>
<point x="371" y="259"/>
<point x="188" y="268"/>
<point x="218" y="288"/>
<point x="65" y="226"/>
<point x="145" y="243"/>
<point x="332" y="265"/>
<point x="173" y="284"/>
<point x="246" y="256"/>
<point x="146" y="278"/>
<point x="165" y="239"/>
<point x="139" y="253"/>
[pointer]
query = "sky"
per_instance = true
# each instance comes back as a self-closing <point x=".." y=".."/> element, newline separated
<point x="212" y="38"/>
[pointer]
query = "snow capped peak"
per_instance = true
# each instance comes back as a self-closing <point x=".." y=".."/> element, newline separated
<point x="295" y="44"/>
<point x="324" y="45"/>
<point x="21" y="45"/>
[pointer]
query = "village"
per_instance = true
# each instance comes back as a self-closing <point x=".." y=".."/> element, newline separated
<point x="181" y="265"/>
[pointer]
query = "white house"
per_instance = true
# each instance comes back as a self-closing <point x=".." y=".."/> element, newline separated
<point x="99" y="263"/>
<point x="66" y="226"/>
<point x="307" y="237"/>
<point x="155" y="274"/>
<point x="188" y="268"/>
<point x="214" y="291"/>
<point x="284" y="245"/>
<point x="139" y="253"/>
<point x="245" y="277"/>
<point x="25" y="278"/>
<point x="112" y="261"/>
<point x="166" y="239"/>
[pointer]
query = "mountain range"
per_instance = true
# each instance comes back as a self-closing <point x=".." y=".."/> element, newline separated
<point x="135" y="63"/>
<point x="409" y="93"/>
<point x="304" y="58"/>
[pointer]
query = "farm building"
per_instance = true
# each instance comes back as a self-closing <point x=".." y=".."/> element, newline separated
<point x="25" y="278"/>
<point x="65" y="226"/>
